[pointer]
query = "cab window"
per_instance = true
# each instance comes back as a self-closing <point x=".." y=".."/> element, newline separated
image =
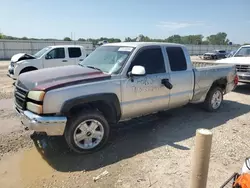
<point x="57" y="53"/>
<point x="151" y="59"/>
<point x="74" y="52"/>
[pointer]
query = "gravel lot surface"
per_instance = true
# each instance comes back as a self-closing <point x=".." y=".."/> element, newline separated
<point x="153" y="151"/>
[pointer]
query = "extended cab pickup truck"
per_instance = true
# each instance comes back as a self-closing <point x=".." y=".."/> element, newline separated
<point x="51" y="56"/>
<point x="116" y="82"/>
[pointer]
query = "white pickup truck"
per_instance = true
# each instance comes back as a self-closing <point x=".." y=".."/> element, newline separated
<point x="51" y="56"/>
<point x="241" y="59"/>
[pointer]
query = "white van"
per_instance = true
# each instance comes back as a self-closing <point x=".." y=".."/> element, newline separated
<point x="51" y="56"/>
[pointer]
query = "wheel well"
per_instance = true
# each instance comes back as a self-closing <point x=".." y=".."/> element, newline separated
<point x="222" y="83"/>
<point x="27" y="69"/>
<point x="108" y="110"/>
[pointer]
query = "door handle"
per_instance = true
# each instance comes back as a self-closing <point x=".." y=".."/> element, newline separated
<point x="166" y="83"/>
<point x="80" y="59"/>
<point x="64" y="61"/>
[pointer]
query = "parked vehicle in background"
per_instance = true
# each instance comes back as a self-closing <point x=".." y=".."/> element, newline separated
<point x="241" y="59"/>
<point x="116" y="82"/>
<point x="51" y="56"/>
<point x="102" y="42"/>
<point x="217" y="54"/>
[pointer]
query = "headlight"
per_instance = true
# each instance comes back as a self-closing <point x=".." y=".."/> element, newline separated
<point x="35" y="107"/>
<point x="36" y="95"/>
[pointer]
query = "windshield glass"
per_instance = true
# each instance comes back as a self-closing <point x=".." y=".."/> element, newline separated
<point x="109" y="59"/>
<point x="243" y="52"/>
<point x="41" y="52"/>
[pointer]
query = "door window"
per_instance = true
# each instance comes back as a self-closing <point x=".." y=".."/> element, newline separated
<point x="151" y="59"/>
<point x="176" y="58"/>
<point x="57" y="53"/>
<point x="74" y="52"/>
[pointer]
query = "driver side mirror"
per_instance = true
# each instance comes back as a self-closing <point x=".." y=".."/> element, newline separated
<point x="138" y="70"/>
<point x="48" y="56"/>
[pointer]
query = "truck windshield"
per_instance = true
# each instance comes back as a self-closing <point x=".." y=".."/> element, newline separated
<point x="41" y="52"/>
<point x="109" y="59"/>
<point x="243" y="52"/>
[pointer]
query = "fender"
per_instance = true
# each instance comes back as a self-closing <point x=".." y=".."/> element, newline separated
<point x="26" y="63"/>
<point x="110" y="99"/>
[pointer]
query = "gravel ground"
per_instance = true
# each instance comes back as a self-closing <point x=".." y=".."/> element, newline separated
<point x="153" y="151"/>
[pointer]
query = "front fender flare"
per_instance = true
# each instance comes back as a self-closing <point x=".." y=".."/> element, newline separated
<point x="109" y="98"/>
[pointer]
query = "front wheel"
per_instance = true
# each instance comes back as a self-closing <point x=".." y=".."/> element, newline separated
<point x="214" y="99"/>
<point x="87" y="132"/>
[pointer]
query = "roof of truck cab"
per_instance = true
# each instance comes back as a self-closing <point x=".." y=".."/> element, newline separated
<point x="62" y="46"/>
<point x="141" y="44"/>
<point x="248" y="45"/>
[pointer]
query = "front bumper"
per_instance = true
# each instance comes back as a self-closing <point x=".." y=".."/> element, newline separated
<point x="52" y="125"/>
<point x="11" y="72"/>
<point x="244" y="78"/>
<point x="207" y="57"/>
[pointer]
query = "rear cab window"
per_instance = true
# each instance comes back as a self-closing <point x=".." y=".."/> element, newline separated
<point x="222" y="51"/>
<point x="74" y="52"/>
<point x="177" y="59"/>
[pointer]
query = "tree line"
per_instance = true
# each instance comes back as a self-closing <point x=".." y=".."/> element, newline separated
<point x="215" y="39"/>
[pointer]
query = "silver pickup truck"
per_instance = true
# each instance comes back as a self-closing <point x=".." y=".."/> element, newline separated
<point x="116" y="82"/>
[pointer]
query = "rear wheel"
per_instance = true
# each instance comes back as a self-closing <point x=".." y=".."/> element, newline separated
<point x="214" y="99"/>
<point x="87" y="132"/>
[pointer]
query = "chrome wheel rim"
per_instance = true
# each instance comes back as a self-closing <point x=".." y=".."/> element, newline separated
<point x="88" y="134"/>
<point x="216" y="99"/>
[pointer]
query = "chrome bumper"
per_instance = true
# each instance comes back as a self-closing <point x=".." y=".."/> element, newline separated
<point x="52" y="125"/>
<point x="245" y="78"/>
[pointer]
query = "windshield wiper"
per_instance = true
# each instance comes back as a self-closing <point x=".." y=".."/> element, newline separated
<point x="93" y="68"/>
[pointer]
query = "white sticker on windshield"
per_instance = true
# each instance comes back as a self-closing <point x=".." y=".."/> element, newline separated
<point x="125" y="49"/>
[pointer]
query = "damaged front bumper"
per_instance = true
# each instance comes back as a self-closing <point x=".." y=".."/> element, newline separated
<point x="11" y="72"/>
<point x="52" y="125"/>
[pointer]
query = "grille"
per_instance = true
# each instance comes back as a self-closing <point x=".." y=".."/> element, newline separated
<point x="243" y="68"/>
<point x="20" y="97"/>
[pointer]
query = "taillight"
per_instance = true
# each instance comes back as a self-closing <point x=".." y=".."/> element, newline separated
<point x="236" y="80"/>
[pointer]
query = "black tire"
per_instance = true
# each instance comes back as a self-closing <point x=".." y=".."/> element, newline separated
<point x="73" y="123"/>
<point x="208" y="101"/>
<point x="215" y="57"/>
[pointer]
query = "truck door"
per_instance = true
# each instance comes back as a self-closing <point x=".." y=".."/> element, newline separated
<point x="145" y="94"/>
<point x="181" y="77"/>
<point x="54" y="58"/>
<point x="75" y="55"/>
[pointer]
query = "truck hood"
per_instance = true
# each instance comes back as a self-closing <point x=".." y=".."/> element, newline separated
<point x="235" y="60"/>
<point x="57" y="77"/>
<point x="21" y="56"/>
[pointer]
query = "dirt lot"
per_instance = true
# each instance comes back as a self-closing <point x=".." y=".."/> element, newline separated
<point x="153" y="151"/>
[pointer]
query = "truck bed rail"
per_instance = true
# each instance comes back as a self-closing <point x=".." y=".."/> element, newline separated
<point x="204" y="63"/>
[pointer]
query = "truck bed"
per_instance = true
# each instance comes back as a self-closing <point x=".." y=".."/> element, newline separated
<point x="206" y="73"/>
